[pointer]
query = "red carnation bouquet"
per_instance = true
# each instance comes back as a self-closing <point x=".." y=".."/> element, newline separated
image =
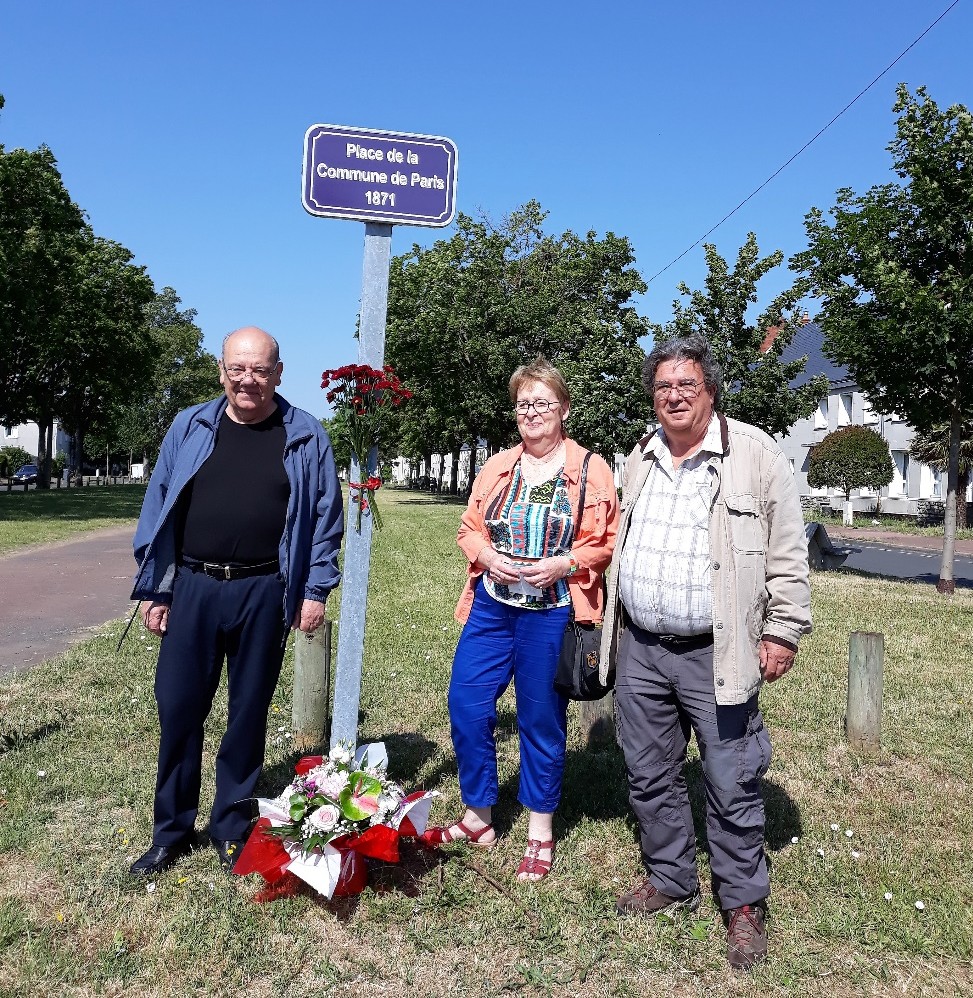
<point x="366" y="397"/>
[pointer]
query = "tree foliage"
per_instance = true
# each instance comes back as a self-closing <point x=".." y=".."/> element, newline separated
<point x="182" y="374"/>
<point x="894" y="271"/>
<point x="854" y="457"/>
<point x="41" y="230"/>
<point x="756" y="384"/>
<point x="932" y="448"/>
<point x="465" y="313"/>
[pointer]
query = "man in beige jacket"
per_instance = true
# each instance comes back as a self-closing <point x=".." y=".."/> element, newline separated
<point x="708" y="598"/>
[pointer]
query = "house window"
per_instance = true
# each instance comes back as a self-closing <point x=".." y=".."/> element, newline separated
<point x="869" y="415"/>
<point x="930" y="483"/>
<point x="900" y="480"/>
<point x="10" y="432"/>
<point x="844" y="409"/>
<point x="821" y="415"/>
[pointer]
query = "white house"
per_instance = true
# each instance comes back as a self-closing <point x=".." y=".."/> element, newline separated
<point x="845" y="405"/>
<point x="27" y="436"/>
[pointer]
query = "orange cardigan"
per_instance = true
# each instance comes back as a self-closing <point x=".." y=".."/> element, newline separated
<point x="593" y="542"/>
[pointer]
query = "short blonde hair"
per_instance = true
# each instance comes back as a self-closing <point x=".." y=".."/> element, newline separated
<point x="540" y="369"/>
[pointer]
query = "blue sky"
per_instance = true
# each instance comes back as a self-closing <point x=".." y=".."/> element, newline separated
<point x="179" y="127"/>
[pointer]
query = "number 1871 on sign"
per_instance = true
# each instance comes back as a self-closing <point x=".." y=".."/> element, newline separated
<point x="380" y="198"/>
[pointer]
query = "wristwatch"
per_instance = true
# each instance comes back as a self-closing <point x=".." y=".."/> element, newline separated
<point x="573" y="566"/>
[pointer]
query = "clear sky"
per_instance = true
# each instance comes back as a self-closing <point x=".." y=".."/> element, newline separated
<point x="178" y="127"/>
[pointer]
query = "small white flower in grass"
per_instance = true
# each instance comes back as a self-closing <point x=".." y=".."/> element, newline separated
<point x="794" y="840"/>
<point x="282" y="728"/>
<point x="150" y="888"/>
<point x="835" y="826"/>
<point x="888" y="895"/>
<point x="135" y="699"/>
<point x="920" y="906"/>
<point x="855" y="855"/>
<point x="820" y="852"/>
<point x="848" y="833"/>
<point x="41" y="774"/>
<point x="445" y="627"/>
<point x="428" y="657"/>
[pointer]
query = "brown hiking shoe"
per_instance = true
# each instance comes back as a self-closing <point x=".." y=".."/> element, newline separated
<point x="646" y="900"/>
<point x="746" y="936"/>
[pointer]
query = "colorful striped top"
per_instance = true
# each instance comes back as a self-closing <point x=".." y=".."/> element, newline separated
<point x="531" y="522"/>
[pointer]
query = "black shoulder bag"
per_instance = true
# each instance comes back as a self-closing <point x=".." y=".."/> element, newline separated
<point x="577" y="675"/>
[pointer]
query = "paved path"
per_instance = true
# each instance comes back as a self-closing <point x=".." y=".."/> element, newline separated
<point x="51" y="596"/>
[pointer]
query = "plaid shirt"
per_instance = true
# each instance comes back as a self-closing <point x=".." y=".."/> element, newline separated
<point x="664" y="574"/>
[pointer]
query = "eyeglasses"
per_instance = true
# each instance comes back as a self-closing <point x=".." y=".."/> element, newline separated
<point x="688" y="388"/>
<point x="540" y="406"/>
<point x="259" y="374"/>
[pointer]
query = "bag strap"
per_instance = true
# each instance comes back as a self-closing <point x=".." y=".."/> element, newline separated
<point x="581" y="492"/>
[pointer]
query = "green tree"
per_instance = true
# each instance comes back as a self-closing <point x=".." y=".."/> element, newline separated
<point x="464" y="313"/>
<point x="854" y="457"/>
<point x="932" y="448"/>
<point x="106" y="356"/>
<point x="41" y="231"/>
<point x="756" y="384"/>
<point x="182" y="374"/>
<point x="894" y="270"/>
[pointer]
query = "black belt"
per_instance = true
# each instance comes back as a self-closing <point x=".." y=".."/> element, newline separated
<point x="671" y="640"/>
<point x="229" y="572"/>
<point x="683" y="640"/>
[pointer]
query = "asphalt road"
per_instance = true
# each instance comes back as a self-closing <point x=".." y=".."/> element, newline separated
<point x="51" y="596"/>
<point x="904" y="563"/>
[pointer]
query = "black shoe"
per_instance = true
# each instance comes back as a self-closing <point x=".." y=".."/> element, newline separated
<point x="229" y="852"/>
<point x="160" y="858"/>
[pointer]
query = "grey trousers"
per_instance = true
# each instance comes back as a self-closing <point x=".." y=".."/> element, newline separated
<point x="662" y="692"/>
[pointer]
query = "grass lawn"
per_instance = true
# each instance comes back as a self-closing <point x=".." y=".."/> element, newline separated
<point x="884" y="910"/>
<point x="29" y="518"/>
<point x="869" y="521"/>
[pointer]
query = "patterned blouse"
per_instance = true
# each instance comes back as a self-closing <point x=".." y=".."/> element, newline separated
<point x="531" y="522"/>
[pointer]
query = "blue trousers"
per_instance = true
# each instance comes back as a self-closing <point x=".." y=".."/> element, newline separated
<point x="662" y="695"/>
<point x="499" y="643"/>
<point x="243" y="621"/>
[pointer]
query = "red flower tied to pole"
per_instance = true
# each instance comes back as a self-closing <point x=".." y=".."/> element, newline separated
<point x="365" y="396"/>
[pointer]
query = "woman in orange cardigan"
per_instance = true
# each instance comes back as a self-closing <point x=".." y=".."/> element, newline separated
<point x="530" y="565"/>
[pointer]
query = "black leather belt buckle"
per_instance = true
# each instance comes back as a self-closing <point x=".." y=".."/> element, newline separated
<point x="218" y="571"/>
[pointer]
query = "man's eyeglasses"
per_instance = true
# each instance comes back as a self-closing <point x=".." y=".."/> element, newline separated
<point x="688" y="388"/>
<point x="540" y="406"/>
<point x="259" y="374"/>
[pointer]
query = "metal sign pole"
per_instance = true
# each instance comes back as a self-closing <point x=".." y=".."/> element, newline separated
<point x="358" y="546"/>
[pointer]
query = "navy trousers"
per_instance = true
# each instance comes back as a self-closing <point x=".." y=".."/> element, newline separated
<point x="661" y="695"/>
<point x="499" y="643"/>
<point x="212" y="619"/>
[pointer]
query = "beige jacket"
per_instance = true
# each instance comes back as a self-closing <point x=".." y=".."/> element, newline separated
<point x="758" y="556"/>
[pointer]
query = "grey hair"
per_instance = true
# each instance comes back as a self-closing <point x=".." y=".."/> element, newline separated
<point x="694" y="348"/>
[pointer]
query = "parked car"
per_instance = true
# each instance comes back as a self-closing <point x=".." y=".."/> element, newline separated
<point x="25" y="475"/>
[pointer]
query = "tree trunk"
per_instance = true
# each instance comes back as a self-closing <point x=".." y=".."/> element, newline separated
<point x="947" y="581"/>
<point x="44" y="431"/>
<point x="961" y="486"/>
<point x="454" y="472"/>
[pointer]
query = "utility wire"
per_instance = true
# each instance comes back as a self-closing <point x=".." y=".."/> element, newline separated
<point x="806" y="144"/>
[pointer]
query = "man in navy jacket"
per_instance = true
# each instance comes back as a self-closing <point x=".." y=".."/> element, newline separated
<point x="237" y="541"/>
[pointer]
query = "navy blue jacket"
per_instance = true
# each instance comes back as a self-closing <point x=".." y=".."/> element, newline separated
<point x="315" y="520"/>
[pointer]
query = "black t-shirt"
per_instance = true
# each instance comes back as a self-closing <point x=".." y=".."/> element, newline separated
<point x="234" y="509"/>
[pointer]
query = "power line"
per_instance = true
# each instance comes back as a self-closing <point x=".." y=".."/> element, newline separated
<point x="809" y="142"/>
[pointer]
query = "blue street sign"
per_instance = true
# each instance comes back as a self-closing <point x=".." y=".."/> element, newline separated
<point x="398" y="178"/>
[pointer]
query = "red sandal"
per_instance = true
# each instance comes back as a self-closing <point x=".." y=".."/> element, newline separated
<point x="441" y="835"/>
<point x="532" y="869"/>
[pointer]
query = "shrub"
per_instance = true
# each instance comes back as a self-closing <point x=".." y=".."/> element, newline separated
<point x="854" y="457"/>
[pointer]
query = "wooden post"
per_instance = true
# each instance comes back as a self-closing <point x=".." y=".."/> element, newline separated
<point x="863" y="722"/>
<point x="597" y="719"/>
<point x="312" y="688"/>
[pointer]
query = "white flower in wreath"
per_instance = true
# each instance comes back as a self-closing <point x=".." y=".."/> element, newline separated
<point x="340" y="754"/>
<point x="332" y="784"/>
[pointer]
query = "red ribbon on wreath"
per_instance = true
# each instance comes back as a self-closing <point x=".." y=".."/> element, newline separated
<point x="365" y="499"/>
